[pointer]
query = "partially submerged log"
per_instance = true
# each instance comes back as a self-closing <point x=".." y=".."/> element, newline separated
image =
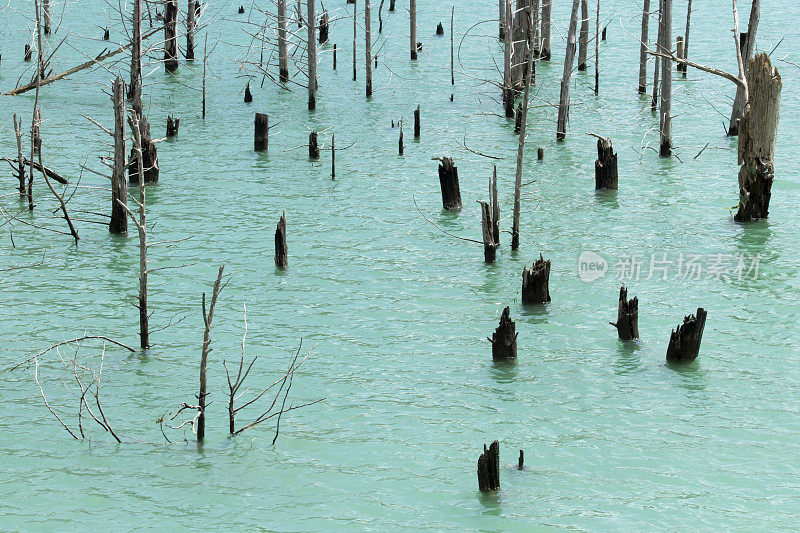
<point x="536" y="282"/>
<point x="261" y="134"/>
<point x="627" y="316"/>
<point x="172" y="125"/>
<point x="504" y="339"/>
<point x="684" y="342"/>
<point x="313" y="145"/>
<point x="281" y="254"/>
<point x="489" y="468"/>
<point x="605" y="168"/>
<point x="758" y="131"/>
<point x="448" y="180"/>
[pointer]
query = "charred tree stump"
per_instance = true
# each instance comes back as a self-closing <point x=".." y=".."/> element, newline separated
<point x="28" y="52"/>
<point x="540" y="154"/>
<point x="758" y="131"/>
<point x="313" y="145"/>
<point x="400" y="143"/>
<point x="172" y="126"/>
<point x="627" y="316"/>
<point x="448" y="180"/>
<point x="521" y="463"/>
<point x="171" y="35"/>
<point x="439" y="29"/>
<point x="119" y="188"/>
<point x="417" y="126"/>
<point x="489" y="468"/>
<point x="487" y="228"/>
<point x="684" y="342"/>
<point x="106" y="35"/>
<point x="605" y="168"/>
<point x="248" y="96"/>
<point x="536" y="282"/>
<point x="149" y="156"/>
<point x="281" y="257"/>
<point x="504" y="339"/>
<point x="324" y="23"/>
<point x="241" y="10"/>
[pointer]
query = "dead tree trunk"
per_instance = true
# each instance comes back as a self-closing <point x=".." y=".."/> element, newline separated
<point x="333" y="156"/>
<point x="208" y="317"/>
<point x="312" y="56"/>
<point x="313" y="145"/>
<point x="28" y="52"/>
<point x="400" y="142"/>
<point x="391" y="5"/>
<point x="519" y="26"/>
<point x="657" y="62"/>
<point x="368" y="45"/>
<point x="536" y="45"/>
<point x="413" y="32"/>
<point x="605" y="168"/>
<point x="135" y="87"/>
<point x="417" y="125"/>
<point x="684" y="342"/>
<point x="682" y="66"/>
<point x="679" y="51"/>
<point x="324" y="24"/>
<point x="261" y="135"/>
<point x="248" y="96"/>
<point x="355" y="12"/>
<point x="448" y="181"/>
<point x="508" y="86"/>
<point x="583" y="38"/>
<point x="536" y="282"/>
<point x="495" y="208"/>
<point x="546" y="22"/>
<point x="205" y="60"/>
<point x="749" y="47"/>
<point x="489" y="468"/>
<point x="665" y="119"/>
<point x="518" y="119"/>
<point x="171" y="35"/>
<point x="597" y="50"/>
<point x="487" y="229"/>
<point x="283" y="56"/>
<point x="504" y="339"/>
<point x="190" y="24"/>
<point x="502" y="20"/>
<point x="643" y="48"/>
<point x="119" y="187"/>
<point x="20" y="160"/>
<point x="563" y="102"/>
<point x="627" y="316"/>
<point x="452" y="54"/>
<point x="281" y="253"/>
<point x="172" y="125"/>
<point x="758" y="131"/>
<point x="521" y="152"/>
<point x="149" y="154"/>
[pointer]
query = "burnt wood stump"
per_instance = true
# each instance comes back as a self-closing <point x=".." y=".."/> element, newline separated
<point x="504" y="339"/>
<point x="106" y="35"/>
<point x="281" y="254"/>
<point x="417" y="126"/>
<point x="149" y="157"/>
<point x="261" y="133"/>
<point x="172" y="126"/>
<point x="605" y="168"/>
<point x="540" y="154"/>
<point x="487" y="228"/>
<point x="627" y="316"/>
<point x="521" y="463"/>
<point x="324" y="22"/>
<point x="535" y="282"/>
<point x="489" y="468"/>
<point x="241" y="9"/>
<point x="313" y="145"/>
<point x="248" y="96"/>
<point x="684" y="342"/>
<point x="439" y="29"/>
<point x="28" y="52"/>
<point x="448" y="180"/>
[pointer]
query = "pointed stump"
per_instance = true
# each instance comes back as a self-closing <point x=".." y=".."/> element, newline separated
<point x="281" y="253"/>
<point x="605" y="168"/>
<point x="489" y="468"/>
<point x="504" y="339"/>
<point x="627" y="316"/>
<point x="448" y="180"/>
<point x="684" y="342"/>
<point x="536" y="282"/>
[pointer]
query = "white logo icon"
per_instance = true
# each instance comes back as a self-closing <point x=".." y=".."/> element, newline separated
<point x="591" y="266"/>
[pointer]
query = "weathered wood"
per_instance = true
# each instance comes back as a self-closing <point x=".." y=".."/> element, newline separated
<point x="487" y="229"/>
<point x="283" y="56"/>
<point x="521" y="462"/>
<point x="546" y="23"/>
<point x="106" y="34"/>
<point x="333" y="156"/>
<point x="135" y="87"/>
<point x="171" y="35"/>
<point x="758" y="132"/>
<point x="313" y="145"/>
<point x="605" y="168"/>
<point x="502" y="21"/>
<point x="324" y="24"/>
<point x="504" y="338"/>
<point x="452" y="54"/>
<point x="508" y="49"/>
<point x="563" y="101"/>
<point x="519" y="32"/>
<point x="191" y="11"/>
<point x="448" y="181"/>
<point x="248" y="96"/>
<point x="679" y="51"/>
<point x="400" y="142"/>
<point x="495" y="208"/>
<point x="119" y="187"/>
<point x="312" y="55"/>
<point x="417" y="125"/>
<point x="334" y="56"/>
<point x="208" y="318"/>
<point x="149" y="156"/>
<point x="657" y="62"/>
<point x="536" y="44"/>
<point x="413" y="32"/>
<point x="20" y="159"/>
<point x="518" y="119"/>
<point x="439" y="29"/>
<point x="627" y="323"/>
<point x="583" y="36"/>
<point x="489" y="468"/>
<point x="172" y="125"/>
<point x="391" y="5"/>
<point x="597" y="50"/>
<point x="368" y="45"/>
<point x="682" y="66"/>
<point x="355" y="12"/>
<point x="241" y="10"/>
<point x="46" y="12"/>
<point x="281" y="254"/>
<point x="523" y="120"/>
<point x="536" y="282"/>
<point x="684" y="342"/>
<point x="665" y="118"/>
<point x="643" y="48"/>
<point x="540" y="154"/>
<point x="205" y="60"/>
<point x="28" y="52"/>
<point x="749" y="46"/>
<point x="141" y="173"/>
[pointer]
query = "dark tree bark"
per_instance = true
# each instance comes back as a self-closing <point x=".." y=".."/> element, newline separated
<point x="605" y="168"/>
<point x="171" y="35"/>
<point x="504" y="339"/>
<point x="536" y="282"/>
<point x="281" y="254"/>
<point x="489" y="468"/>
<point x="448" y="180"/>
<point x="627" y="316"/>
<point x="313" y="145"/>
<point x="119" y="188"/>
<point x="684" y="342"/>
<point x="172" y="126"/>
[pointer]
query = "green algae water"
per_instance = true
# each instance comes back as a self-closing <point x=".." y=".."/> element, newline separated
<point x="396" y="311"/>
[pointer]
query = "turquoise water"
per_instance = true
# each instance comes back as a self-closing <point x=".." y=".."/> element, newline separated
<point x="397" y="312"/>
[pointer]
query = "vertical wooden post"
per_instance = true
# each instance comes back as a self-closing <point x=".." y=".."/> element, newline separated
<point x="684" y="342"/>
<point x="740" y="101"/>
<point x="144" y="329"/>
<point x="504" y="338"/>
<point x="391" y="5"/>
<point x="46" y="10"/>
<point x="448" y="181"/>
<point x="508" y="48"/>
<point x="605" y="168"/>
<point x="313" y="145"/>
<point x="583" y="37"/>
<point x="417" y="125"/>
<point x="643" y="48"/>
<point x="452" y="57"/>
<point x="519" y="32"/>
<point x="537" y="45"/>
<point x="656" y="62"/>
<point x="261" y="134"/>
<point x="666" y="80"/>
<point x="20" y="161"/>
<point x="597" y="50"/>
<point x="679" y="49"/>
<point x="119" y="186"/>
<point x="248" y="96"/>
<point x="190" y="24"/>
<point x="333" y="156"/>
<point x="502" y="19"/>
<point x="758" y="131"/>
<point x="563" y="102"/>
<point x="208" y="318"/>
<point x="171" y="35"/>
<point x="312" y="55"/>
<point x="682" y="67"/>
<point x="324" y="24"/>
<point x="546" y="22"/>
<point x="281" y="253"/>
<point x="283" y="56"/>
<point x="536" y="282"/>
<point x="627" y="316"/>
<point x="334" y="56"/>
<point x="355" y="12"/>
<point x="521" y="149"/>
<point x="205" y="59"/>
<point x="489" y="468"/>
<point x="413" y="32"/>
<point x="487" y="230"/>
<point x="495" y="208"/>
<point x="400" y="143"/>
<point x="135" y="87"/>
<point x="368" y="45"/>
